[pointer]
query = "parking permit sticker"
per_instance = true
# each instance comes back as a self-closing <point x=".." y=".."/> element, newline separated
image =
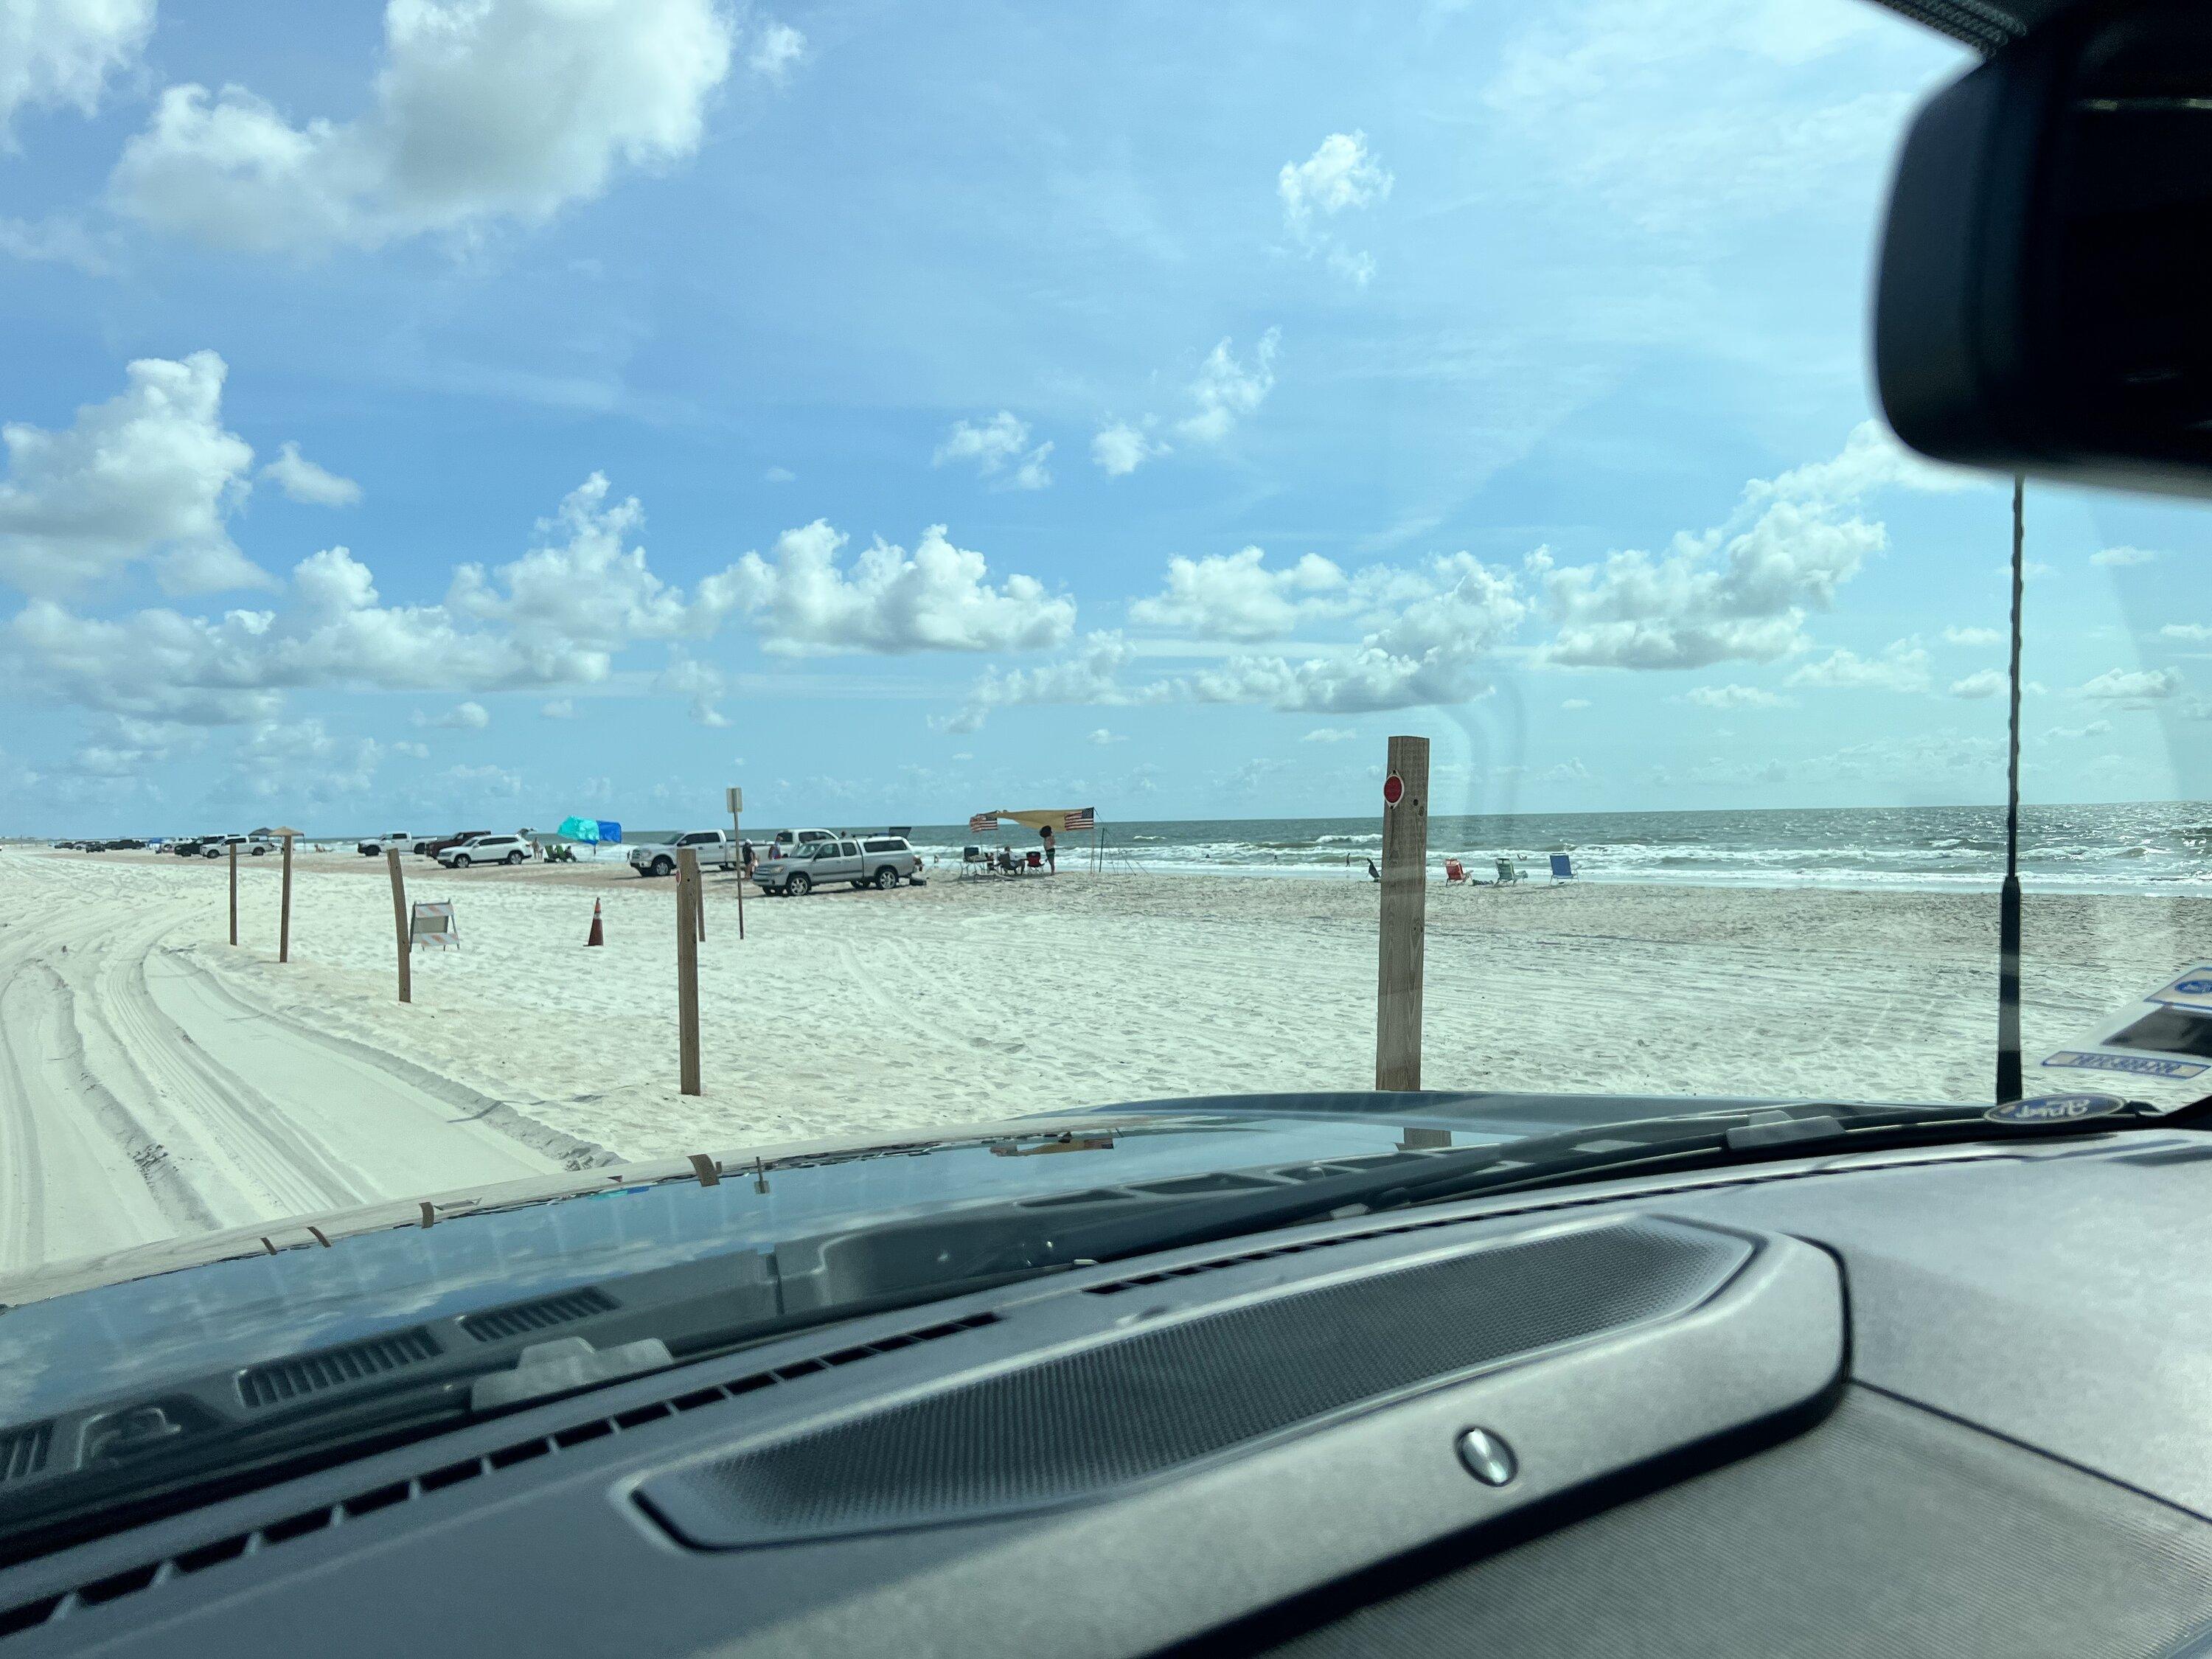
<point x="2193" y="990"/>
<point x="2135" y="1065"/>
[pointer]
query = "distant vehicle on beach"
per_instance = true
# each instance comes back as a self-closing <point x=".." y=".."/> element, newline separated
<point x="713" y="846"/>
<point x="878" y="861"/>
<point x="432" y="847"/>
<point x="398" y="839"/>
<point x="488" y="850"/>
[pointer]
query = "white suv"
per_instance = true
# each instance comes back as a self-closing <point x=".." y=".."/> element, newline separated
<point x="489" y="849"/>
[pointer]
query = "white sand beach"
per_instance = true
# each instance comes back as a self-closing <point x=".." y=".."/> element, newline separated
<point x="154" y="1081"/>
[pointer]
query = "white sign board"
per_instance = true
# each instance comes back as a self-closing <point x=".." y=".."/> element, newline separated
<point x="433" y="923"/>
<point x="737" y="799"/>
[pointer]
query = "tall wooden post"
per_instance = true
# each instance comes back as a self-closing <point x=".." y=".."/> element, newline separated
<point x="687" y="967"/>
<point x="234" y="892"/>
<point x="399" y="923"/>
<point x="1405" y="915"/>
<point x="284" y="922"/>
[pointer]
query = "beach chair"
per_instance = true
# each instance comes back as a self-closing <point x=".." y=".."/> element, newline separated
<point x="1454" y="872"/>
<point x="1507" y="875"/>
<point x="973" y="865"/>
<point x="1035" y="861"/>
<point x="1562" y="867"/>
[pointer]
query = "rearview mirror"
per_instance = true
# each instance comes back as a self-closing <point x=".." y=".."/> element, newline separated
<point x="2044" y="298"/>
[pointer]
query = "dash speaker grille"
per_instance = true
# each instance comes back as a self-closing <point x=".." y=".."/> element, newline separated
<point x="1082" y="1424"/>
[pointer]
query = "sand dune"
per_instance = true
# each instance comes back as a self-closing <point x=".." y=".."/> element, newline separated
<point x="154" y="1080"/>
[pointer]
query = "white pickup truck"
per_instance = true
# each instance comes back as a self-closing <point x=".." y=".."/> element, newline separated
<point x="713" y="846"/>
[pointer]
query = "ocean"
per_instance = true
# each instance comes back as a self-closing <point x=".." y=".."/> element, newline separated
<point x="2161" y="847"/>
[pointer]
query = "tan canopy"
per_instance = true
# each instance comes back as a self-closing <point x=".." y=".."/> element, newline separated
<point x="1058" y="819"/>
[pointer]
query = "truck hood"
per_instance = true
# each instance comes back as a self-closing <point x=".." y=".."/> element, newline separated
<point x="83" y="1329"/>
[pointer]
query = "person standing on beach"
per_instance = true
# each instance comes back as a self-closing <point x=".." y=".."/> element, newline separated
<point x="1051" y="848"/>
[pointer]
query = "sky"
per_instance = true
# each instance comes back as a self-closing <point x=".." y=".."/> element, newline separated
<point x="488" y="410"/>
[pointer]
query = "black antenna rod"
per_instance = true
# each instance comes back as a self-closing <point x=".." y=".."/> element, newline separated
<point x="2008" y="896"/>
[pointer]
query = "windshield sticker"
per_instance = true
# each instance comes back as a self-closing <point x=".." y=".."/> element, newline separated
<point x="2140" y="1065"/>
<point x="2192" y="990"/>
<point x="2054" y="1109"/>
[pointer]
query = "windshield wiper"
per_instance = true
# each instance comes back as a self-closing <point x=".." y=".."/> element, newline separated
<point x="1643" y="1145"/>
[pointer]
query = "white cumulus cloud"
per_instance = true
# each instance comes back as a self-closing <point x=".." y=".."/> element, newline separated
<point x="461" y="717"/>
<point x="1119" y="448"/>
<point x="2125" y="685"/>
<point x="1984" y="683"/>
<point x="1732" y="697"/>
<point x="303" y="481"/>
<point x="62" y="53"/>
<point x="1228" y="389"/>
<point x="938" y="598"/>
<point x="1341" y="176"/>
<point x="1902" y="667"/>
<point x="2121" y="555"/>
<point x="1236" y="597"/>
<point x="484" y="110"/>
<point x="150" y="474"/>
<point x="775" y="50"/>
<point x="995" y="446"/>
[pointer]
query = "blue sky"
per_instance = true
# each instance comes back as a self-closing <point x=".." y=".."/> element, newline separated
<point x="498" y="409"/>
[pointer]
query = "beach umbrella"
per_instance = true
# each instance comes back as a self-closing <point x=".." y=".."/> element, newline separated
<point x="581" y="828"/>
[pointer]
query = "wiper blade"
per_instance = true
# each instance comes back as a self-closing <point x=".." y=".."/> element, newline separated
<point x="1421" y="1175"/>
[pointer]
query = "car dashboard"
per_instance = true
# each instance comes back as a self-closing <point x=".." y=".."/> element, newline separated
<point x="1943" y="1401"/>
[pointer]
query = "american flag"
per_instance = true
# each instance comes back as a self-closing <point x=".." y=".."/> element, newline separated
<point x="1086" y="818"/>
<point x="982" y="823"/>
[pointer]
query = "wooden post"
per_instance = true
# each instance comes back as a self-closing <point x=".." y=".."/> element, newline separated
<point x="284" y="921"/>
<point x="399" y="923"/>
<point x="234" y="892"/>
<point x="687" y="967"/>
<point x="699" y="903"/>
<point x="1405" y="915"/>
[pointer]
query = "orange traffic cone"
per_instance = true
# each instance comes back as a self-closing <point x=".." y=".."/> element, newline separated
<point x="599" y="934"/>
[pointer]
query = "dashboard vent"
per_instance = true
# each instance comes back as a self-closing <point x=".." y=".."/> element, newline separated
<point x="23" y="1451"/>
<point x="311" y="1373"/>
<point x="59" y="1605"/>
<point x="497" y="1324"/>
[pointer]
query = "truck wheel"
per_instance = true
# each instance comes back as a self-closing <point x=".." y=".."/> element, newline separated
<point x="514" y="857"/>
<point x="662" y="867"/>
<point x="460" y="860"/>
<point x="886" y="878"/>
<point x="799" y="885"/>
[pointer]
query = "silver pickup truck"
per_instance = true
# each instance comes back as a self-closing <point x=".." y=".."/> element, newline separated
<point x="878" y="861"/>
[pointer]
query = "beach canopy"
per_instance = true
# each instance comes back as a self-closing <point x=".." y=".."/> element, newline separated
<point x="592" y="830"/>
<point x="1059" y="819"/>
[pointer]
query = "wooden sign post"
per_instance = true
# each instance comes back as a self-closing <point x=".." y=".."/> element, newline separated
<point x="234" y="892"/>
<point x="687" y="968"/>
<point x="1405" y="915"/>
<point x="285" y="925"/>
<point x="399" y="923"/>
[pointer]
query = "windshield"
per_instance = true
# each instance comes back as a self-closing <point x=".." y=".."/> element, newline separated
<point x="1378" y="566"/>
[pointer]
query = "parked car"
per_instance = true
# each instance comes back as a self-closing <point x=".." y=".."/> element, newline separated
<point x="713" y="846"/>
<point x="880" y="862"/>
<point x="185" y="847"/>
<point x="489" y="849"/>
<point x="378" y="845"/>
<point x="432" y="848"/>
